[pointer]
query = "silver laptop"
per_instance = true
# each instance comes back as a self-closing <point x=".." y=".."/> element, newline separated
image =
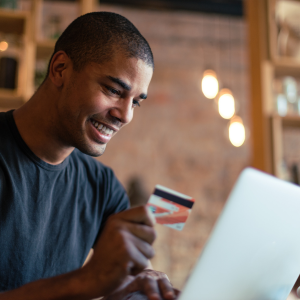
<point x="253" y="252"/>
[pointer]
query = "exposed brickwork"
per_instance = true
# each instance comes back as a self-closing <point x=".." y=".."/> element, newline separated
<point x="177" y="137"/>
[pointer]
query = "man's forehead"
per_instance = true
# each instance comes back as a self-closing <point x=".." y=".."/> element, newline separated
<point x="125" y="65"/>
<point x="128" y="73"/>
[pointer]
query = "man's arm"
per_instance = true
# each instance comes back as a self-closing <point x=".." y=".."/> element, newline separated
<point x="73" y="285"/>
<point x="123" y="249"/>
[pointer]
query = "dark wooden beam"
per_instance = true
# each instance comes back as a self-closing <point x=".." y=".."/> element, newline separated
<point x="224" y="7"/>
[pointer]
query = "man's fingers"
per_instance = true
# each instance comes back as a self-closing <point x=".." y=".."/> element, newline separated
<point x="143" y="247"/>
<point x="166" y="288"/>
<point x="138" y="262"/>
<point x="153" y="284"/>
<point x="140" y="214"/>
<point x="126" y="238"/>
<point x="143" y="232"/>
<point x="177" y="292"/>
<point x="150" y="288"/>
<point x="155" y="274"/>
<point x="139" y="256"/>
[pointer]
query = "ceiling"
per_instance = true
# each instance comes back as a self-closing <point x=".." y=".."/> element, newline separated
<point x="224" y="7"/>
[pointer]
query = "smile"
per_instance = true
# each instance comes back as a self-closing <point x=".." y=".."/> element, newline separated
<point x="102" y="128"/>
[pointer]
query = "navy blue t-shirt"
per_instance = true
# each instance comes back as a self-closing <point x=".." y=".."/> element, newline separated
<point x="50" y="215"/>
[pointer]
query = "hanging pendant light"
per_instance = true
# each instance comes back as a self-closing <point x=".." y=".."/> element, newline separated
<point x="237" y="132"/>
<point x="226" y="105"/>
<point x="3" y="46"/>
<point x="210" y="84"/>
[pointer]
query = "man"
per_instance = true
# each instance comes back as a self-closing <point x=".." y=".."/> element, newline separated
<point x="56" y="202"/>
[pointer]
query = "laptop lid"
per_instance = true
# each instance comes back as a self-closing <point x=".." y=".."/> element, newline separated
<point x="253" y="252"/>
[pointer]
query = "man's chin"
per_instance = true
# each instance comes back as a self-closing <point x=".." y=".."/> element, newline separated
<point x="93" y="151"/>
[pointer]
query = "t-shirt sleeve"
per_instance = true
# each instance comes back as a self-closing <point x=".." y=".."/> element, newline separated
<point x="117" y="198"/>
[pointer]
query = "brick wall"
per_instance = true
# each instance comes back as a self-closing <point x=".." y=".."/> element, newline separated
<point x="177" y="137"/>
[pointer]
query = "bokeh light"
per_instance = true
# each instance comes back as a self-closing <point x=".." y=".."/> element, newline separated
<point x="237" y="133"/>
<point x="3" y="46"/>
<point x="210" y="84"/>
<point x="226" y="104"/>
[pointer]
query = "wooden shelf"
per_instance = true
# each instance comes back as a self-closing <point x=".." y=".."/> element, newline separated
<point x="283" y="66"/>
<point x="288" y="120"/>
<point x="12" y="21"/>
<point x="28" y="24"/>
<point x="265" y="66"/>
<point x="286" y="66"/>
<point x="45" y="48"/>
<point x="291" y="121"/>
<point x="278" y="124"/>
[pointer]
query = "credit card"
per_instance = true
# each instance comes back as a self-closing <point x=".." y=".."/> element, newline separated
<point x="169" y="207"/>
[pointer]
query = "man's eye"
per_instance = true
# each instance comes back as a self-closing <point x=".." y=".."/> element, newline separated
<point x="135" y="103"/>
<point x="113" y="91"/>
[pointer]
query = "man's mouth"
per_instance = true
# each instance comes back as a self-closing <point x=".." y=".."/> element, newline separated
<point x="102" y="128"/>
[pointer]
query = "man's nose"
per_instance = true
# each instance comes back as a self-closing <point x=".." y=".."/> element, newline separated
<point x="123" y="111"/>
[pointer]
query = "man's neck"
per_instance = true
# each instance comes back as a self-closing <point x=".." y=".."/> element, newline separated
<point x="36" y="121"/>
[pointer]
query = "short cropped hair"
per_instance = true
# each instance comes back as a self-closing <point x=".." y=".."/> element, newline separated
<point x="96" y="36"/>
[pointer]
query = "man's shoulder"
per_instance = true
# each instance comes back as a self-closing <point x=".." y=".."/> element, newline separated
<point x="2" y="115"/>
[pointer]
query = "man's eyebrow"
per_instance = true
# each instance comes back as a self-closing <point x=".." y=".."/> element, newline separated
<point x="120" y="82"/>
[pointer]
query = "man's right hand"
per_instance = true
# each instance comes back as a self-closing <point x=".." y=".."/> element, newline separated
<point x="123" y="248"/>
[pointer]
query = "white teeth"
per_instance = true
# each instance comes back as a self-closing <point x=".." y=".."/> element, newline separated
<point x="102" y="128"/>
<point x="106" y="130"/>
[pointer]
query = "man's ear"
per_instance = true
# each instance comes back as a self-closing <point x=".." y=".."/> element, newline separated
<point x="58" y="67"/>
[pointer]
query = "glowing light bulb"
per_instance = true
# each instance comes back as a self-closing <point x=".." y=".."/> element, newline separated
<point x="3" y="46"/>
<point x="226" y="104"/>
<point x="210" y="84"/>
<point x="237" y="133"/>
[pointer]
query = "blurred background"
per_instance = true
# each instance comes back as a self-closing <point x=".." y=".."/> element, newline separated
<point x="225" y="95"/>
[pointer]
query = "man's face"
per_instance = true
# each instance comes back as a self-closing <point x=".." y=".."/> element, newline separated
<point x="99" y="100"/>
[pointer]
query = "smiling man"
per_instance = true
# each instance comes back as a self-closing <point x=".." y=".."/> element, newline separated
<point x="56" y="202"/>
